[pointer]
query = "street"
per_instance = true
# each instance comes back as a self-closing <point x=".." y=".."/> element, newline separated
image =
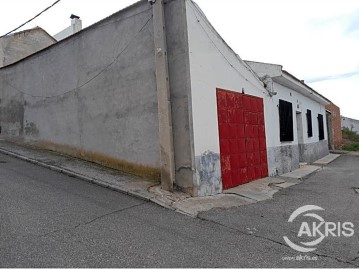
<point x="48" y="219"/>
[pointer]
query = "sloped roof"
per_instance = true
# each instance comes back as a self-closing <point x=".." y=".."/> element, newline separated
<point x="37" y="28"/>
<point x="281" y="76"/>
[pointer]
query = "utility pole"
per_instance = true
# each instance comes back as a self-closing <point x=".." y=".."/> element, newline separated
<point x="163" y="97"/>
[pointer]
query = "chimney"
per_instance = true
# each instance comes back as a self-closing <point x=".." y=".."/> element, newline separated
<point x="76" y="23"/>
<point x="76" y="26"/>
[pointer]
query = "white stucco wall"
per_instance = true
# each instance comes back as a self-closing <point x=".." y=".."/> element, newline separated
<point x="289" y="95"/>
<point x="285" y="156"/>
<point x="213" y="65"/>
<point x="351" y="124"/>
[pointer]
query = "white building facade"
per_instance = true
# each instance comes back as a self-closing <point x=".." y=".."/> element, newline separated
<point x="225" y="158"/>
<point x="309" y="139"/>
<point x="351" y="124"/>
<point x="232" y="121"/>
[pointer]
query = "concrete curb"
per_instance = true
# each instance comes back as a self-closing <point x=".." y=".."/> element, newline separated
<point x="145" y="196"/>
<point x="301" y="173"/>
<point x="326" y="160"/>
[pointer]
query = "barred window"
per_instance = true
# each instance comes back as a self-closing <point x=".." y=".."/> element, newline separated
<point x="309" y="123"/>
<point x="286" y="121"/>
<point x="321" y="126"/>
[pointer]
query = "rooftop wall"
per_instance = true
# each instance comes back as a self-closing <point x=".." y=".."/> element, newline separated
<point x="92" y="95"/>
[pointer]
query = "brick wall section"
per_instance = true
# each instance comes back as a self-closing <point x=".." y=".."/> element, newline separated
<point x="336" y="126"/>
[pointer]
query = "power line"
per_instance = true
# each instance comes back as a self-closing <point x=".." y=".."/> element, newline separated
<point x="30" y="19"/>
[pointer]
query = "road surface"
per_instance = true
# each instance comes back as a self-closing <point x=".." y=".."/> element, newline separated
<point x="48" y="219"/>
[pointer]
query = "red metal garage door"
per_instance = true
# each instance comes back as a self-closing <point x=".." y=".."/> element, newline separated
<point x="242" y="138"/>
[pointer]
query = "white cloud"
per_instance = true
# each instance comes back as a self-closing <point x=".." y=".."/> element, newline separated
<point x="342" y="92"/>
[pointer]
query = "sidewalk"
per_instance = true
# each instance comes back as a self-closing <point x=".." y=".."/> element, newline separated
<point x="91" y="172"/>
<point x="252" y="192"/>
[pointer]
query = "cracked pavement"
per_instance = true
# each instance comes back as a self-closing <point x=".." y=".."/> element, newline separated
<point x="48" y="219"/>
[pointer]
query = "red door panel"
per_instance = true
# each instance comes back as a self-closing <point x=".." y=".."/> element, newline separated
<point x="243" y="175"/>
<point x="223" y="116"/>
<point x="242" y="160"/>
<point x="224" y="147"/>
<point x="240" y="116"/>
<point x="241" y="145"/>
<point x="264" y="170"/>
<point x="238" y="101"/>
<point x="241" y="137"/>
<point x="246" y="103"/>
<point x="227" y="180"/>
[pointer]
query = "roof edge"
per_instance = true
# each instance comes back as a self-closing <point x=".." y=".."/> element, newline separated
<point x="307" y="87"/>
<point x="76" y="34"/>
<point x="307" y="91"/>
<point x="36" y="28"/>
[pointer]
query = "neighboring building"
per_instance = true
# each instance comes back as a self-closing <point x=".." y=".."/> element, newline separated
<point x="334" y="127"/>
<point x="95" y="96"/>
<point x="19" y="45"/>
<point x="298" y="119"/>
<point x="351" y="124"/>
<point x="76" y="26"/>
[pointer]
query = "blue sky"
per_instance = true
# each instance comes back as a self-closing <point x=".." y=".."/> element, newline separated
<point x="315" y="40"/>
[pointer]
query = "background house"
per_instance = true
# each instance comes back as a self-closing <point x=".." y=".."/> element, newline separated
<point x="98" y="101"/>
<point x="19" y="45"/>
<point x="351" y="124"/>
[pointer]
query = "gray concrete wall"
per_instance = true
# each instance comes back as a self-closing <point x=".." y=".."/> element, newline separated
<point x="309" y="153"/>
<point x="92" y="95"/>
<point x="179" y="72"/>
<point x="286" y="158"/>
<point x="283" y="159"/>
<point x="1" y="53"/>
<point x="208" y="171"/>
<point x="20" y="45"/>
<point x="11" y="105"/>
<point x="351" y="124"/>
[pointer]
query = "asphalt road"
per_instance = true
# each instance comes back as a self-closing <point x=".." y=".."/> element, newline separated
<point x="48" y="219"/>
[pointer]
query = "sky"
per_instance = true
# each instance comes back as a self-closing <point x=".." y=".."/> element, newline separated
<point x="314" y="40"/>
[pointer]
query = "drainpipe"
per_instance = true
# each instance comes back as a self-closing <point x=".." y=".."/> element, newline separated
<point x="163" y="97"/>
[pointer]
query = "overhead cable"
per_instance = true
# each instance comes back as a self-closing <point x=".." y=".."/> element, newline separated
<point x="31" y="19"/>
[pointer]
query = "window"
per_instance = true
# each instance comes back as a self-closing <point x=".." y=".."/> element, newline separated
<point x="309" y="123"/>
<point x="321" y="126"/>
<point x="286" y="121"/>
